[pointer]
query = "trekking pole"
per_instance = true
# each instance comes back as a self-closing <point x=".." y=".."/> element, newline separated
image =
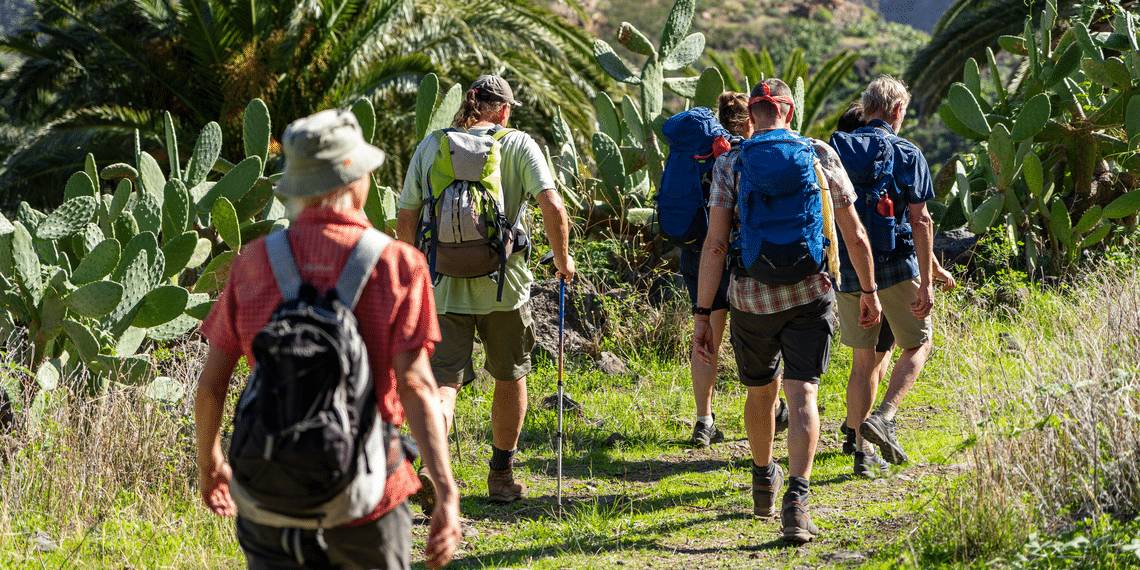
<point x="561" y="328"/>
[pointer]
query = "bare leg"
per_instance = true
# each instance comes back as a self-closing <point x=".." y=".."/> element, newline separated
<point x="760" y="421"/>
<point x="861" y="386"/>
<point x="508" y="409"/>
<point x="704" y="375"/>
<point x="447" y="395"/>
<point x="905" y="373"/>
<point x="803" y="426"/>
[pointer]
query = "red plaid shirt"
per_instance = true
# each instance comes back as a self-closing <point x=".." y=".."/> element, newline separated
<point x="396" y="311"/>
<point x="748" y="294"/>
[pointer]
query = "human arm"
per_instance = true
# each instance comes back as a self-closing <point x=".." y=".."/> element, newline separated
<point x="941" y="275"/>
<point x="922" y="228"/>
<point x="557" y="226"/>
<point x="210" y="400"/>
<point x="713" y="254"/>
<point x="418" y="394"/>
<point x="859" y="249"/>
<point x="407" y="222"/>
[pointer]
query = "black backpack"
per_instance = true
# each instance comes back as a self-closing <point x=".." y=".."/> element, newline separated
<point x="309" y="448"/>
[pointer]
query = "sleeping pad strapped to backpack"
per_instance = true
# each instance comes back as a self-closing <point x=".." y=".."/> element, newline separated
<point x="781" y="213"/>
<point x="695" y="140"/>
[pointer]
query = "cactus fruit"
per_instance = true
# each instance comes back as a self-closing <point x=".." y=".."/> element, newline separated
<point x="98" y="263"/>
<point x="206" y="152"/>
<point x="256" y="130"/>
<point x="95" y="299"/>
<point x="67" y="219"/>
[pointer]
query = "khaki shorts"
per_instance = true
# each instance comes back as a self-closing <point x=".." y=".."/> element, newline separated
<point x="508" y="337"/>
<point x="909" y="331"/>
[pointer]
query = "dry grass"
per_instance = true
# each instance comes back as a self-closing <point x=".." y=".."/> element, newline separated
<point x="1057" y="415"/>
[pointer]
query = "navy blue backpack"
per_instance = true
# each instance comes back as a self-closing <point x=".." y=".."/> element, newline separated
<point x="868" y="157"/>
<point x="781" y="213"/>
<point x="682" y="196"/>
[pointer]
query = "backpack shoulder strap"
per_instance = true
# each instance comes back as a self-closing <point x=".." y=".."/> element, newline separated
<point x="284" y="268"/>
<point x="498" y="133"/>
<point x="359" y="265"/>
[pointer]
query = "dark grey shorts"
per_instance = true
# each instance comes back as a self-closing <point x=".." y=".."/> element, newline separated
<point x="385" y="544"/>
<point x="796" y="341"/>
<point x="508" y="337"/>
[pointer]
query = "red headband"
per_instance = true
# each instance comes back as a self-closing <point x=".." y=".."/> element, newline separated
<point x="773" y="99"/>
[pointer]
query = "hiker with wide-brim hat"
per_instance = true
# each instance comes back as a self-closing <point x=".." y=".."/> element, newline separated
<point x="325" y="185"/>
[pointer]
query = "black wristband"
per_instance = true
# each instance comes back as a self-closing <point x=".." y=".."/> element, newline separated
<point x="701" y="311"/>
<point x="869" y="292"/>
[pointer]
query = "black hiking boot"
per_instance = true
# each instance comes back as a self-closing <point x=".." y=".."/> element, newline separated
<point x="764" y="491"/>
<point x="882" y="433"/>
<point x="848" y="438"/>
<point x="705" y="435"/>
<point x="797" y="525"/>
<point x="870" y="465"/>
<point x="782" y="414"/>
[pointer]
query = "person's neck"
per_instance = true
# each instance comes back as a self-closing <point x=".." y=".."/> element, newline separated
<point x="768" y="127"/>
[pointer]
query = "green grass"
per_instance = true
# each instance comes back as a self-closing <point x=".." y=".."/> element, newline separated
<point x="111" y="483"/>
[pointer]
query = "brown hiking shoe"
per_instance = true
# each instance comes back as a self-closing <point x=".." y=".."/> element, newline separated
<point x="502" y="488"/>
<point x="798" y="527"/>
<point x="425" y="497"/>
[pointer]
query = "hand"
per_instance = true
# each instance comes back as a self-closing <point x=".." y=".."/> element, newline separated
<point x="869" y="310"/>
<point x="444" y="533"/>
<point x="922" y="304"/>
<point x="567" y="269"/>
<point x="945" y="278"/>
<point x="214" y="486"/>
<point x="702" y="339"/>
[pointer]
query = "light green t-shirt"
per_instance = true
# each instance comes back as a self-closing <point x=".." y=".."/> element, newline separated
<point x="525" y="175"/>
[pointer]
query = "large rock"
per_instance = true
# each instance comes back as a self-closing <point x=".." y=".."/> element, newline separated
<point x="585" y="318"/>
<point x="955" y="247"/>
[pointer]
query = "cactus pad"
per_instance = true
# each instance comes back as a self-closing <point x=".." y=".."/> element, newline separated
<point x="426" y="95"/>
<point x="151" y="180"/>
<point x="148" y="213"/>
<point x="80" y="184"/>
<point x="119" y="171"/>
<point x="198" y="305"/>
<point x="161" y="305"/>
<point x="629" y="36"/>
<point x="608" y="120"/>
<point x="967" y="110"/>
<point x="85" y="342"/>
<point x="215" y="274"/>
<point x="234" y="185"/>
<point x="256" y="130"/>
<point x="226" y="222"/>
<point x="1124" y="206"/>
<point x="201" y="253"/>
<point x="96" y="299"/>
<point x="122" y="195"/>
<point x="613" y="64"/>
<point x="99" y="263"/>
<point x="206" y="152"/>
<point x="176" y="210"/>
<point x="67" y="219"/>
<point x="143" y="242"/>
<point x="709" y="88"/>
<point x="27" y="263"/>
<point x="178" y="252"/>
<point x="686" y="52"/>
<point x="986" y="214"/>
<point x="365" y="114"/>
<point x="172" y="330"/>
<point x="680" y="17"/>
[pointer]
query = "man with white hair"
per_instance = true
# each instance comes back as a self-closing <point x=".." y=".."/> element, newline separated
<point x="892" y="180"/>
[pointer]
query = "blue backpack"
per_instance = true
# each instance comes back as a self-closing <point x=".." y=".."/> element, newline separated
<point x="682" y="196"/>
<point x="781" y="213"/>
<point x="868" y="157"/>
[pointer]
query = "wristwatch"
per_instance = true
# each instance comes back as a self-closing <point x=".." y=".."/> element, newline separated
<point x="701" y="310"/>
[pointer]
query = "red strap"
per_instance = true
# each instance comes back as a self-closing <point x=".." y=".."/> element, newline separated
<point x="773" y="99"/>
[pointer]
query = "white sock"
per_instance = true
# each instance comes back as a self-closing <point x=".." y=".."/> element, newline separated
<point x="707" y="420"/>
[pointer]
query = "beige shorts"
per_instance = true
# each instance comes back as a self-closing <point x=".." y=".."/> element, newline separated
<point x="508" y="337"/>
<point x="909" y="331"/>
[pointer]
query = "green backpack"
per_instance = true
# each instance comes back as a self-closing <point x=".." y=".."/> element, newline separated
<point x="464" y="231"/>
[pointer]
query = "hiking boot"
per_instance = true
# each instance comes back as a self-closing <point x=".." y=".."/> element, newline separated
<point x="797" y="525"/>
<point x="882" y="433"/>
<point x="764" y="492"/>
<point x="705" y="435"/>
<point x="782" y="417"/>
<point x="425" y="497"/>
<point x="502" y="488"/>
<point x="848" y="439"/>
<point x="870" y="465"/>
